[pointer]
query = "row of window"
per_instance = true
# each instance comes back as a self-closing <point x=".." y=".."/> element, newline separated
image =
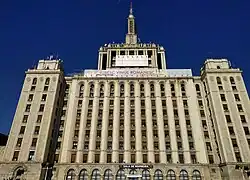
<point x="120" y="175"/>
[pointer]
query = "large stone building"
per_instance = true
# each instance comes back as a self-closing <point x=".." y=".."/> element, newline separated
<point x="132" y="118"/>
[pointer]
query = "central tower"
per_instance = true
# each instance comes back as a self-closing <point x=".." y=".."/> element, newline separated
<point x="131" y="54"/>
<point x="131" y="37"/>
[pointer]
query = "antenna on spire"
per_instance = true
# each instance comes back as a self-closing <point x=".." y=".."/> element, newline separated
<point x="131" y="7"/>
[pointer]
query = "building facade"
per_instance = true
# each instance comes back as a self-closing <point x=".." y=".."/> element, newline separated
<point x="132" y="118"/>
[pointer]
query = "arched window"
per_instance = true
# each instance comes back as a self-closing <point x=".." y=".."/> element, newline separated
<point x="197" y="87"/>
<point x="152" y="87"/>
<point x="145" y="175"/>
<point x="18" y="173"/>
<point x="162" y="87"/>
<point x="82" y="87"/>
<point x="171" y="175"/>
<point x="91" y="90"/>
<point x="132" y="171"/>
<point x="47" y="81"/>
<point x="122" y="87"/>
<point x="183" y="175"/>
<point x="232" y="80"/>
<point x="112" y="88"/>
<point x="142" y="87"/>
<point x="132" y="87"/>
<point x="83" y="175"/>
<point x="71" y="175"/>
<point x="196" y="175"/>
<point x="218" y="80"/>
<point x="108" y="175"/>
<point x="34" y="81"/>
<point x="120" y="175"/>
<point x="158" y="175"/>
<point x="95" y="175"/>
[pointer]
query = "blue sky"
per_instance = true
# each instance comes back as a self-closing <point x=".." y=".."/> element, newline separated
<point x="190" y="31"/>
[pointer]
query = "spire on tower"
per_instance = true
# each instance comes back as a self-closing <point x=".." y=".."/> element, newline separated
<point x="131" y="8"/>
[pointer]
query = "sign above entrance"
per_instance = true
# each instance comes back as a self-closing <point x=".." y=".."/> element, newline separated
<point x="131" y="60"/>
<point x="136" y="166"/>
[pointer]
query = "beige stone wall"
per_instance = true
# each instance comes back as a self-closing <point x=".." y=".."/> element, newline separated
<point x="2" y="148"/>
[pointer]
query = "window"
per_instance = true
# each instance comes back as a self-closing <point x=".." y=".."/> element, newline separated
<point x="34" y="81"/>
<point x="246" y="131"/>
<point x="73" y="157"/>
<point x="158" y="175"/>
<point x="145" y="175"/>
<point x="19" y="142"/>
<point x="243" y="119"/>
<point x="27" y="109"/>
<point x="22" y="130"/>
<point x="197" y="87"/>
<point x="25" y="118"/>
<point x="218" y="80"/>
<point x="200" y="103"/>
<point x="234" y="88"/>
<point x="32" y="88"/>
<point x="44" y="97"/>
<point x="225" y="107"/>
<point x="237" y="97"/>
<point x="47" y="81"/>
<point x="211" y="159"/>
<point x="183" y="175"/>
<point x="39" y="118"/>
<point x="34" y="141"/>
<point x="231" y="130"/>
<point x="239" y="106"/>
<point x="108" y="175"/>
<point x="71" y="175"/>
<point x="220" y="88"/>
<point x="31" y="156"/>
<point x="36" y="131"/>
<point x="171" y="175"/>
<point x="222" y="97"/>
<point x="185" y="103"/>
<point x="15" y="156"/>
<point x="228" y="118"/>
<point x="30" y="97"/>
<point x="41" y="108"/>
<point x="83" y="175"/>
<point x="196" y="175"/>
<point x="120" y="174"/>
<point x="95" y="175"/>
<point x="232" y="80"/>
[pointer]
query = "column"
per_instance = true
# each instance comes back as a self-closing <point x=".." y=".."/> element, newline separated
<point x="105" y="121"/>
<point x="79" y="154"/>
<point x="171" y="123"/>
<point x="160" y="124"/>
<point x="69" y="125"/>
<point x="148" y="109"/>
<point x="127" y="123"/>
<point x="182" y="121"/>
<point x="138" y="135"/>
<point x="196" y="123"/>
<point x="92" y="139"/>
<point x="116" y="124"/>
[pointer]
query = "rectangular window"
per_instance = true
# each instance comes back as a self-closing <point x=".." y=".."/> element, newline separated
<point x="228" y="118"/>
<point x="222" y="97"/>
<point x="31" y="156"/>
<point x="30" y="97"/>
<point x="25" y="118"/>
<point x="39" y="118"/>
<point x="22" y="130"/>
<point x="37" y="128"/>
<point x="46" y="88"/>
<point x="225" y="107"/>
<point x="27" y="109"/>
<point x="85" y="158"/>
<point x="120" y="158"/>
<point x="109" y="158"/>
<point x="34" y="141"/>
<point x="15" y="156"/>
<point x="144" y="158"/>
<point x="44" y="97"/>
<point x="181" y="158"/>
<point x="73" y="157"/>
<point x="237" y="97"/>
<point x="239" y="106"/>
<point x="41" y="108"/>
<point x="19" y="142"/>
<point x="33" y="88"/>
<point x="243" y="119"/>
